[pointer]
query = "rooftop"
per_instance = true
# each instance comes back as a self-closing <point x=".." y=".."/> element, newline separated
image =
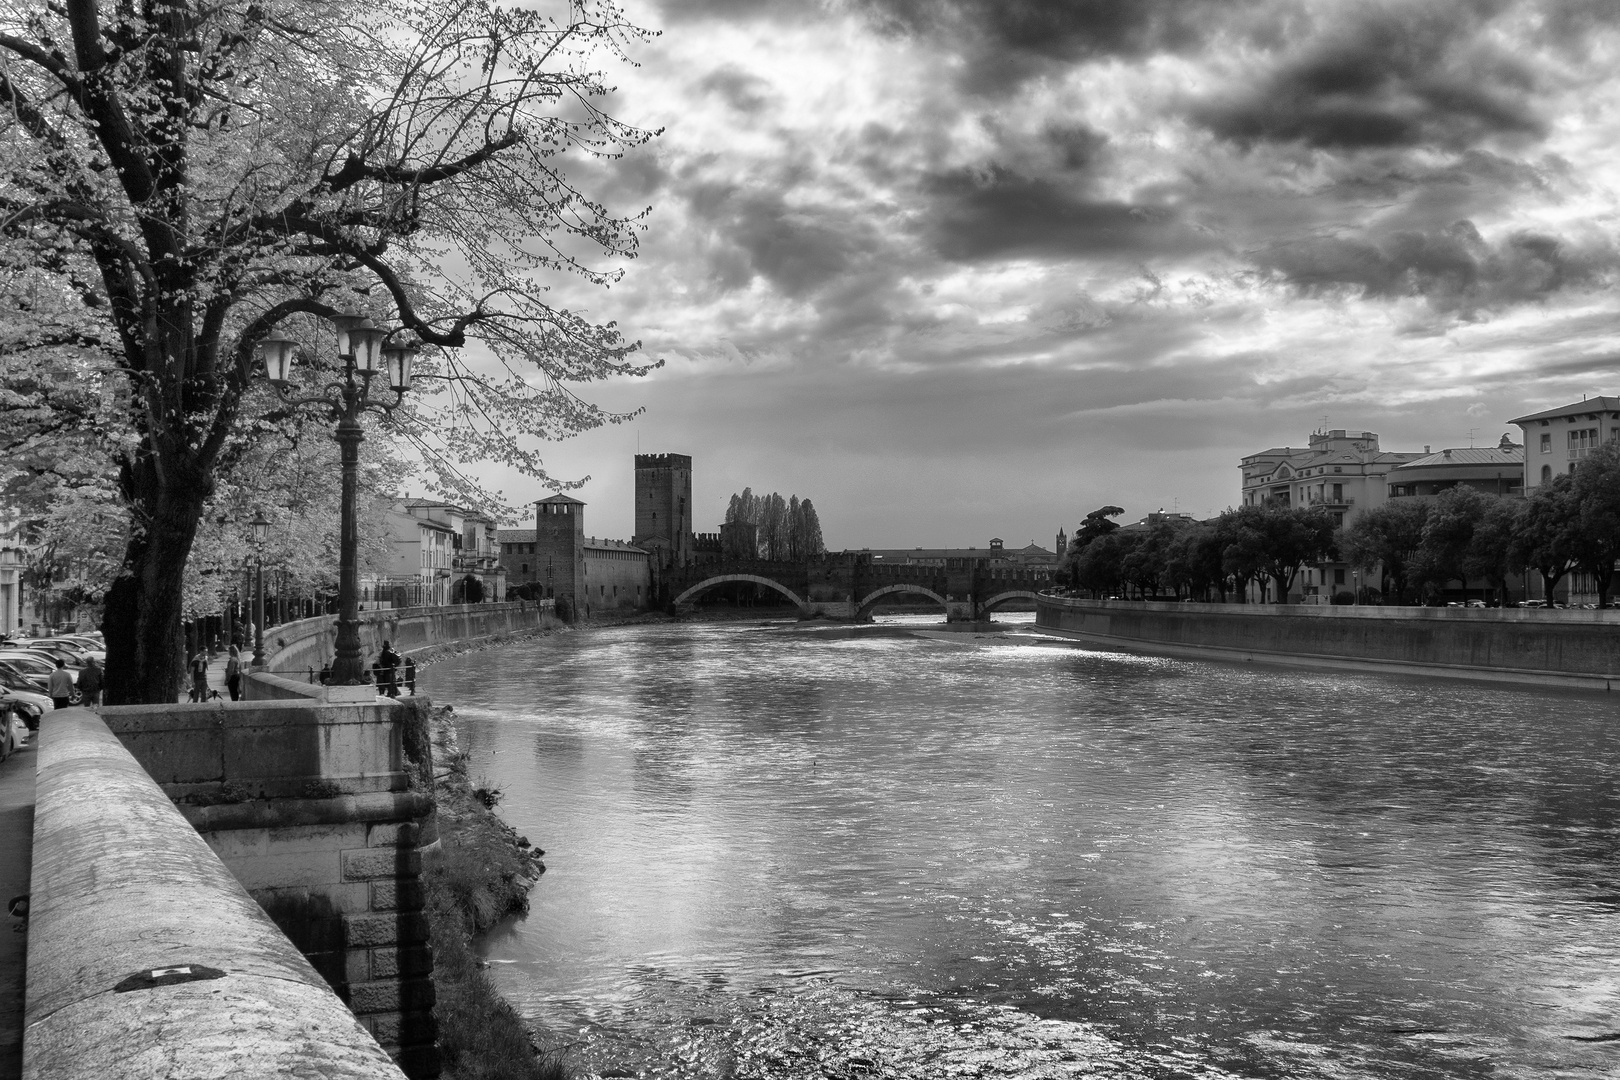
<point x="1470" y="455"/>
<point x="1588" y="406"/>
<point x="561" y="498"/>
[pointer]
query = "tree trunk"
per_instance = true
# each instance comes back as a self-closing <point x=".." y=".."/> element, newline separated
<point x="143" y="621"/>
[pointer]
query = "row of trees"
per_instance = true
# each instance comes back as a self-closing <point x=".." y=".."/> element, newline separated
<point x="1418" y="546"/>
<point x="785" y="530"/>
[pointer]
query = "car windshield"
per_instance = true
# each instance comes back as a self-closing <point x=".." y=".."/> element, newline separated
<point x="29" y="663"/>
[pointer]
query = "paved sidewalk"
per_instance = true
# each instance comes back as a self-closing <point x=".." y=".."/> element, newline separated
<point x="16" y="861"/>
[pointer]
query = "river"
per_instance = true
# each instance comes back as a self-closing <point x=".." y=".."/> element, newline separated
<point x="780" y="852"/>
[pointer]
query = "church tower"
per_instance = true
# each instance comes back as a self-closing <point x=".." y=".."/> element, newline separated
<point x="1062" y="542"/>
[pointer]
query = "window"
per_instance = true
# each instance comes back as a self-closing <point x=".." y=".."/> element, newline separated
<point x="1338" y="468"/>
<point x="1338" y="493"/>
<point x="1338" y="520"/>
<point x="525" y="568"/>
<point x="1546" y="442"/>
<point x="1546" y="474"/>
<point x="1338" y="577"/>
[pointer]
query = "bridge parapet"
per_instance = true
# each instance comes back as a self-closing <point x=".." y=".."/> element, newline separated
<point x="146" y="957"/>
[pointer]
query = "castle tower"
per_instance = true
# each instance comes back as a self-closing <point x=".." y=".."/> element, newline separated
<point x="559" y="547"/>
<point x="664" y="508"/>
<point x="1062" y="542"/>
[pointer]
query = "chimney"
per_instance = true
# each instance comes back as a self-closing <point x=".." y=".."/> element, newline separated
<point x="1446" y="452"/>
<point x="1426" y="449"/>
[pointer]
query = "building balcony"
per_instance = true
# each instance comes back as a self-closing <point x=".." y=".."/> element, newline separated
<point x="487" y="563"/>
<point x="1330" y="502"/>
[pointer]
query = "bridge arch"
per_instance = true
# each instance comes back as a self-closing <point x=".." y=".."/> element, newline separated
<point x="1001" y="598"/>
<point x="720" y="579"/>
<point x="877" y="594"/>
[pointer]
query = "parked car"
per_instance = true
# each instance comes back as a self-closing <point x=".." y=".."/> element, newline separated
<point x="73" y="655"/>
<point x="26" y="704"/>
<point x="35" y="663"/>
<point x="1532" y="603"/>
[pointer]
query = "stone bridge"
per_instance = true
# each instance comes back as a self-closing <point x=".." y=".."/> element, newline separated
<point x="848" y="585"/>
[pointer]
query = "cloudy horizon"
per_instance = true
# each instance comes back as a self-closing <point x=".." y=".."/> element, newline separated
<point x="971" y="268"/>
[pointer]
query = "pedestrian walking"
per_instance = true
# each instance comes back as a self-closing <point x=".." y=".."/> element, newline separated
<point x="60" y="686"/>
<point x="199" y="675"/>
<point x="387" y="667"/>
<point x="410" y="675"/>
<point x="90" y="684"/>
<point x="233" y="674"/>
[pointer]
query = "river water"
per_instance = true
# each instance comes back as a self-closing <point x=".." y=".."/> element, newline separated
<point x="776" y="852"/>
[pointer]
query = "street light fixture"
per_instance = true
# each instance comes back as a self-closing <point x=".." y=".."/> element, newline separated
<point x="362" y="346"/>
<point x="261" y="533"/>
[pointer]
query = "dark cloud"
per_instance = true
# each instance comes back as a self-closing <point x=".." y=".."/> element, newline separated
<point x="797" y="249"/>
<point x="1008" y="41"/>
<point x="1423" y="74"/>
<point x="743" y="92"/>
<point x="1455" y="269"/>
<point x="997" y="213"/>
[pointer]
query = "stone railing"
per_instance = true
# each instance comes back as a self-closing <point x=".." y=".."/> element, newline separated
<point x="292" y="649"/>
<point x="146" y="956"/>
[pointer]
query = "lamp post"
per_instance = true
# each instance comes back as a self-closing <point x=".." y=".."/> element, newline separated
<point x="363" y="347"/>
<point x="261" y="533"/>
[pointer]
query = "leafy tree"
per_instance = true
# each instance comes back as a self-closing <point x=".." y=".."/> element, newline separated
<point x="786" y="529"/>
<point x="1100" y="565"/>
<point x="1448" y="533"/>
<point x="1545" y="539"/>
<point x="179" y="177"/>
<point x="1387" y="537"/>
<point x="1095" y="525"/>
<point x="1491" y="551"/>
<point x="1194" y="561"/>
<point x="1289" y="538"/>
<point x="1595" y="536"/>
<point x="1242" y="542"/>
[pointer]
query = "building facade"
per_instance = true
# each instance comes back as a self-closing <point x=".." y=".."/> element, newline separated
<point x="1556" y="440"/>
<point x="1492" y="470"/>
<point x="1346" y="473"/>
<point x="438" y="553"/>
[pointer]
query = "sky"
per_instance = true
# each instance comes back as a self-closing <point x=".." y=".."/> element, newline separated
<point x="956" y="269"/>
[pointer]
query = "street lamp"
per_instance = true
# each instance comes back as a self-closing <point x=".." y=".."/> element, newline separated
<point x="365" y="350"/>
<point x="261" y="533"/>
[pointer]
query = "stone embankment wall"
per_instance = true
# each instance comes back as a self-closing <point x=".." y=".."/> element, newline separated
<point x="1572" y="648"/>
<point x="294" y="649"/>
<point x="322" y="811"/>
<point x="146" y="956"/>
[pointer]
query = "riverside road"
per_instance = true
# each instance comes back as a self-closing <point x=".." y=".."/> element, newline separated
<point x="787" y="852"/>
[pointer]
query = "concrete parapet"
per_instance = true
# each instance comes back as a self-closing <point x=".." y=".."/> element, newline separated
<point x="231" y="751"/>
<point x="146" y="957"/>
<point x="1567" y="648"/>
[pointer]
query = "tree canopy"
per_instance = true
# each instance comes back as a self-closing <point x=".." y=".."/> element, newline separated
<point x="179" y="177"/>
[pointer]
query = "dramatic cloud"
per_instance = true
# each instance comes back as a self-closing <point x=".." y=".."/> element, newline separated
<point x="905" y="251"/>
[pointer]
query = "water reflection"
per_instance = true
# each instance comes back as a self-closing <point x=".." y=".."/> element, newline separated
<point x="776" y="853"/>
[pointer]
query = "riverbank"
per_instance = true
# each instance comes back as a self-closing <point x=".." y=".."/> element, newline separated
<point x="482" y="873"/>
<point x="1574" y="649"/>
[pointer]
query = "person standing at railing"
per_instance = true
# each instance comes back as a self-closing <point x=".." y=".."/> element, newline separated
<point x="233" y="674"/>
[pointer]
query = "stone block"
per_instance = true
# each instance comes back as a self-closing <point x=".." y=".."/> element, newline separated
<point x="418" y="1028"/>
<point x="357" y="966"/>
<point x="237" y="843"/>
<point x="368" y="863"/>
<point x="350" y="898"/>
<point x="287" y="870"/>
<point x="392" y="963"/>
<point x="375" y="931"/>
<point x="390" y="995"/>
<point x="332" y="837"/>
<point x="393" y="894"/>
<point x="385" y="1027"/>
<point x="394" y="834"/>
